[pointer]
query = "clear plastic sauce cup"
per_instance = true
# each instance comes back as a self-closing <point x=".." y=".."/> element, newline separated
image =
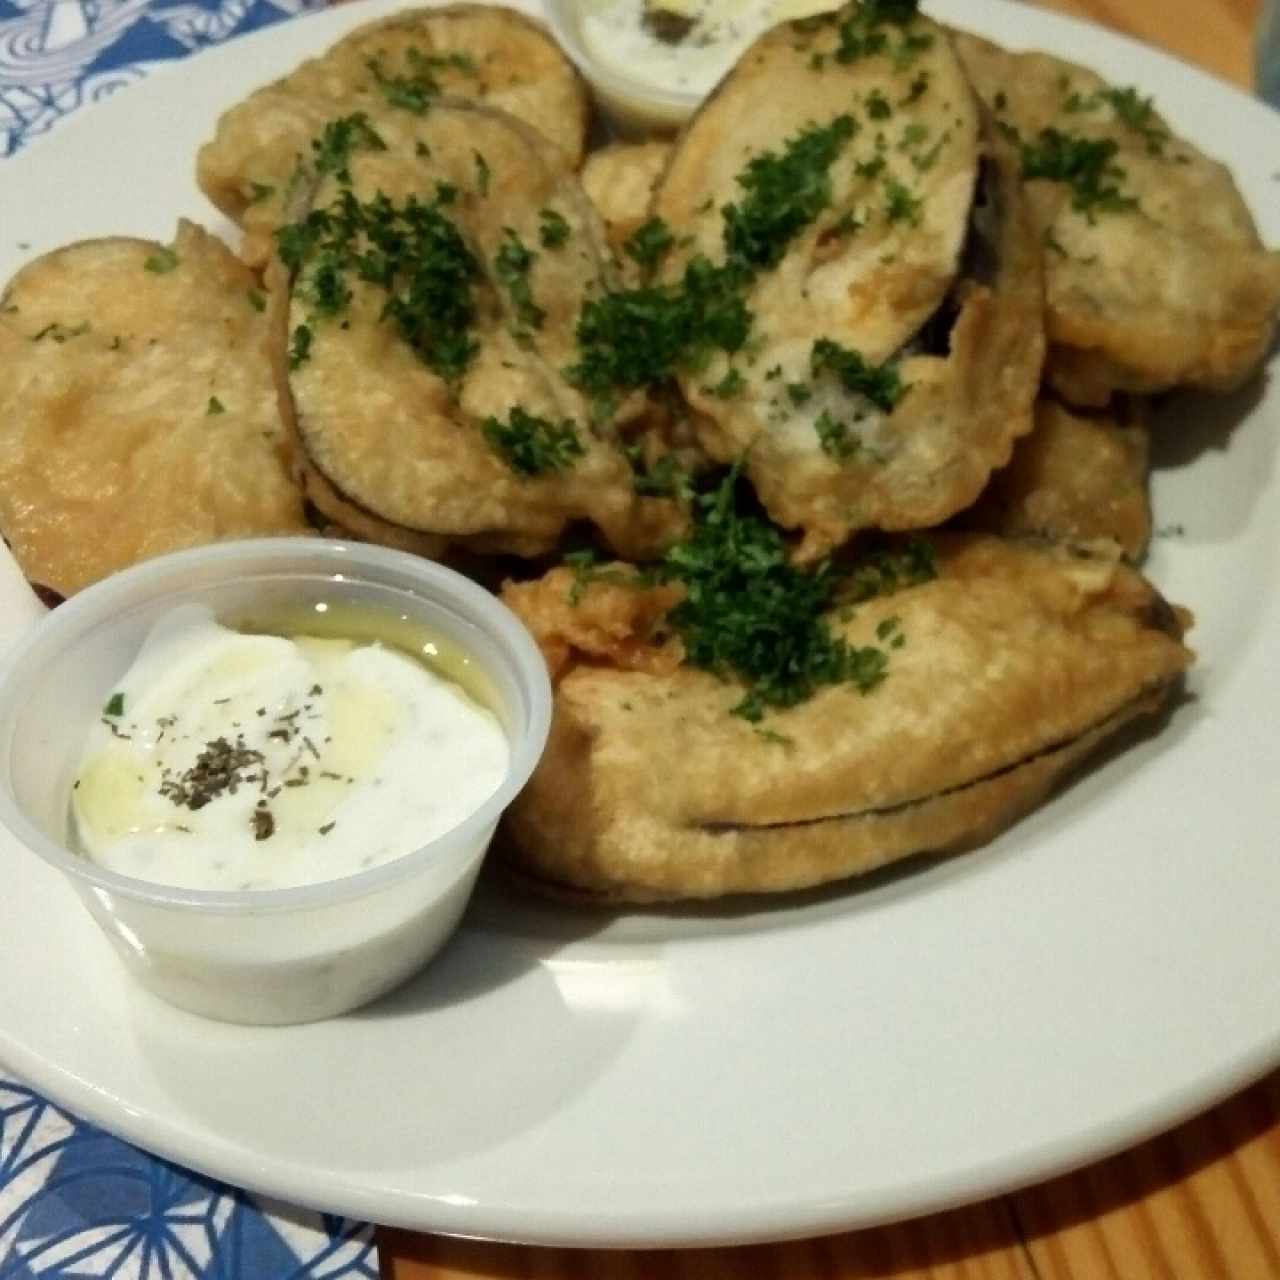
<point x="276" y="955"/>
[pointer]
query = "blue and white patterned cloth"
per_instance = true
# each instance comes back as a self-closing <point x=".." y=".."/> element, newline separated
<point x="75" y="1201"/>
<point x="56" y="55"/>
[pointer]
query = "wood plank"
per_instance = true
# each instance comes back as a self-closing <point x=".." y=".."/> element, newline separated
<point x="1214" y="34"/>
<point x="1203" y="1202"/>
<point x="978" y="1243"/>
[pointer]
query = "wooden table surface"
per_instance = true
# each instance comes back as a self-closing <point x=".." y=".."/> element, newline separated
<point x="1201" y="1203"/>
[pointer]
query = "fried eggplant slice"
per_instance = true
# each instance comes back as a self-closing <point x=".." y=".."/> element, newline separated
<point x="1076" y="478"/>
<point x="1155" y="275"/>
<point x="619" y="180"/>
<point x="479" y="52"/>
<point x="889" y="273"/>
<point x="422" y="359"/>
<point x="1017" y="661"/>
<point x="137" y="410"/>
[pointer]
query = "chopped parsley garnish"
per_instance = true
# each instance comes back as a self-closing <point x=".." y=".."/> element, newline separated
<point x="483" y="173"/>
<point x="912" y="136"/>
<point x="729" y="386"/>
<point x="412" y="251"/>
<point x="881" y="573"/>
<point x="300" y="346"/>
<point x="835" y="437"/>
<point x="799" y="392"/>
<point x="412" y="93"/>
<point x="161" y="262"/>
<point x="553" y="229"/>
<point x="257" y="299"/>
<point x="511" y="265"/>
<point x="533" y="445"/>
<point x="1084" y="164"/>
<point x="862" y="35"/>
<point x="916" y="89"/>
<point x="1139" y="114"/>
<point x="900" y="204"/>
<point x="878" y="107"/>
<point x="641" y="336"/>
<point x="331" y="151"/>
<point x="664" y="478"/>
<point x="783" y="193"/>
<point x="1129" y="107"/>
<point x="750" y="614"/>
<point x="872" y="168"/>
<point x="215" y="406"/>
<point x="879" y="383"/>
<point x="649" y="243"/>
<point x="115" y="705"/>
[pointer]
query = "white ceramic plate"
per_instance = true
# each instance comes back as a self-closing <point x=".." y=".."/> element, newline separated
<point x="1100" y="972"/>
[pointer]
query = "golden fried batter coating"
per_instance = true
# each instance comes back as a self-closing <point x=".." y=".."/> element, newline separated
<point x="1176" y="290"/>
<point x="479" y="52"/>
<point x="606" y="616"/>
<point x="137" y="411"/>
<point x="922" y="266"/>
<point x="1076" y="478"/>
<point x="1017" y="662"/>
<point x="619" y="181"/>
<point x="396" y="443"/>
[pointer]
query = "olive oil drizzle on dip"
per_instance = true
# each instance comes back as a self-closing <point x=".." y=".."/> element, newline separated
<point x="226" y="759"/>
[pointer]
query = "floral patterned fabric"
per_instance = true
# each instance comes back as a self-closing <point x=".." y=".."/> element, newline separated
<point x="75" y="1201"/>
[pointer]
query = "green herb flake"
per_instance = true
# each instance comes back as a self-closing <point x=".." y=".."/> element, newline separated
<point x="783" y="194"/>
<point x="532" y="445"/>
<point x="882" y="573"/>
<point x="916" y="90"/>
<point x="1085" y="165"/>
<point x="864" y="34"/>
<point x="880" y="384"/>
<point x="215" y="406"/>
<point x="261" y="192"/>
<point x="900" y="204"/>
<point x="511" y="264"/>
<point x="835" y="437"/>
<point x="257" y="299"/>
<point x="483" y="173"/>
<point x="300" y="346"/>
<point x="799" y="392"/>
<point x="730" y="385"/>
<point x="553" y="229"/>
<point x="161" y="262"/>
<point x="1138" y="113"/>
<point x="649" y="243"/>
<point x="665" y="477"/>
<point x="878" y="107"/>
<point x="912" y="136"/>
<point x="331" y="152"/>
<point x="637" y="337"/>
<point x="115" y="705"/>
<point x="750" y="615"/>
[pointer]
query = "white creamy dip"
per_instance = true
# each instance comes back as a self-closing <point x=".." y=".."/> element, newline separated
<point x="225" y="760"/>
<point x="617" y="36"/>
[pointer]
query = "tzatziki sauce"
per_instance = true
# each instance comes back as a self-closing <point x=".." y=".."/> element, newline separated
<point x="703" y="38"/>
<point x="233" y="761"/>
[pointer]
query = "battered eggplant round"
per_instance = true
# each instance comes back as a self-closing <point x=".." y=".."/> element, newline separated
<point x="407" y="61"/>
<point x="137" y="411"/>
<point x="1017" y="661"/>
